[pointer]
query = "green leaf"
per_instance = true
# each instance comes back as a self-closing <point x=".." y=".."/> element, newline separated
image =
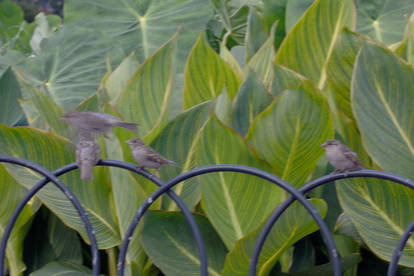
<point x="206" y="74"/>
<point x="52" y="152"/>
<point x="294" y="224"/>
<point x="177" y="142"/>
<point x="128" y="194"/>
<point x="170" y="244"/>
<point x="233" y="17"/>
<point x="142" y="26"/>
<point x="251" y="99"/>
<point x="283" y="78"/>
<point x="257" y="32"/>
<point x="382" y="98"/>
<point x="276" y="11"/>
<point x="15" y="33"/>
<point x="12" y="193"/>
<point x="380" y="210"/>
<point x="70" y="65"/>
<point x="289" y="133"/>
<point x="262" y="62"/>
<point x="226" y="196"/>
<point x="339" y="69"/>
<point x="318" y="29"/>
<point x="383" y="20"/>
<point x="145" y="98"/>
<point x="48" y="111"/>
<point x="119" y="78"/>
<point x="62" y="268"/>
<point x="65" y="242"/>
<point x="405" y="48"/>
<point x="10" y="110"/>
<point x="295" y="10"/>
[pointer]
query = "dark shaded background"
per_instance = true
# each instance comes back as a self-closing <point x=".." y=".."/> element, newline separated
<point x="33" y="7"/>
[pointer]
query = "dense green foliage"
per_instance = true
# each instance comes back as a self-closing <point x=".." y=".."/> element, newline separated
<point x="256" y="82"/>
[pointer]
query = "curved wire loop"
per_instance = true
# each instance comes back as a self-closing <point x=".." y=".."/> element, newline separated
<point x="229" y="168"/>
<point x="324" y="180"/>
<point x="184" y="209"/>
<point x="72" y="198"/>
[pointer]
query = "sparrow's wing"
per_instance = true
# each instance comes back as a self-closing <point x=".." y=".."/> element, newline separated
<point x="97" y="153"/>
<point x="353" y="157"/>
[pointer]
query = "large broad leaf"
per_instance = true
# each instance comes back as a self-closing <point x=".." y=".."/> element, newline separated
<point x="227" y="196"/>
<point x="289" y="133"/>
<point x="339" y="73"/>
<point x="294" y="224"/>
<point x="177" y="142"/>
<point x="70" y="65"/>
<point x="262" y="62"/>
<point x="339" y="70"/>
<point x="251" y="99"/>
<point x="170" y="244"/>
<point x="12" y="193"/>
<point x="10" y="110"/>
<point x="142" y="26"/>
<point x="119" y="78"/>
<point x="383" y="20"/>
<point x="382" y="97"/>
<point x="318" y="28"/>
<point x="52" y="152"/>
<point x="146" y="96"/>
<point x="380" y="210"/>
<point x="206" y="74"/>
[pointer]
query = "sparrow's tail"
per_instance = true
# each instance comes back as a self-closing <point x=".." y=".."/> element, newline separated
<point x="173" y="163"/>
<point x="131" y="126"/>
<point x="86" y="172"/>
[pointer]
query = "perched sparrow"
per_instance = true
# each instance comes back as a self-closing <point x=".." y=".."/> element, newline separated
<point x="146" y="156"/>
<point x="87" y="155"/>
<point x="96" y="122"/>
<point x="341" y="157"/>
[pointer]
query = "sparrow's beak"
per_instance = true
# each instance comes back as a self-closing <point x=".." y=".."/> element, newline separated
<point x="324" y="145"/>
<point x="128" y="142"/>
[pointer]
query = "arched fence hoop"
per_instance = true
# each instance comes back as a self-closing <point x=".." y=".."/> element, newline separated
<point x="230" y="168"/>
<point x="165" y="187"/>
<point x="68" y="193"/>
<point x="392" y="268"/>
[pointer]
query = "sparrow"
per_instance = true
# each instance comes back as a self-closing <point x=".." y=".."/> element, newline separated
<point x="341" y="157"/>
<point x="96" y="122"/>
<point x="87" y="155"/>
<point x="146" y="156"/>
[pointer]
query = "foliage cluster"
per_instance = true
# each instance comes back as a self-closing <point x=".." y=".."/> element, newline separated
<point x="256" y="82"/>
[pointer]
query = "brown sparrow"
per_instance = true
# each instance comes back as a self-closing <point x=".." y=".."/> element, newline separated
<point x="341" y="157"/>
<point x="146" y="156"/>
<point x="87" y="155"/>
<point x="96" y="122"/>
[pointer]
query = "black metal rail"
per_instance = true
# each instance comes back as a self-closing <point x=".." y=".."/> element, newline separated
<point x="165" y="188"/>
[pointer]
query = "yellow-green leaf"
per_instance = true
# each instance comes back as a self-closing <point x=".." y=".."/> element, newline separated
<point x="382" y="100"/>
<point x="289" y="133"/>
<point x="206" y="74"/>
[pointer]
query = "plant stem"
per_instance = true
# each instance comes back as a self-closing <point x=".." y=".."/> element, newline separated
<point x="111" y="252"/>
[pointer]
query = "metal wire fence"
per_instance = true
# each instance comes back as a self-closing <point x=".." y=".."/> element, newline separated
<point x="165" y="188"/>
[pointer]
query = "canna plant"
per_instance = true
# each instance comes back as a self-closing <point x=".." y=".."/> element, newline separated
<point x="256" y="83"/>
